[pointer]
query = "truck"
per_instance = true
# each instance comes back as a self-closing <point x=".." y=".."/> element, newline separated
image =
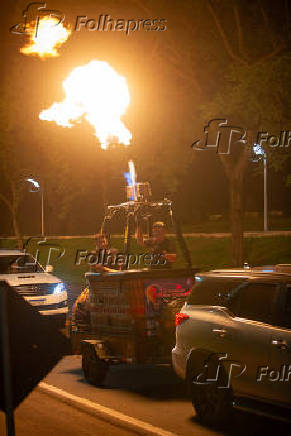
<point x="132" y="318"/>
<point x="128" y="315"/>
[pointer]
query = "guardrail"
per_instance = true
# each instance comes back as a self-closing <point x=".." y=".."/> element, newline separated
<point x="247" y="234"/>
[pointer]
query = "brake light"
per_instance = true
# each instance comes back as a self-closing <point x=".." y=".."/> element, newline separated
<point x="180" y="318"/>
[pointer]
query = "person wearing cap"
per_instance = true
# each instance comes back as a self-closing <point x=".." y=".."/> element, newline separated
<point x="159" y="245"/>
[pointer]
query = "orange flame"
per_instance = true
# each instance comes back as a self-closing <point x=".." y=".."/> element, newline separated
<point x="99" y="94"/>
<point x="46" y="38"/>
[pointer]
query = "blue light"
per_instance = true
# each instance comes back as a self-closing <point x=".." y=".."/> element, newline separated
<point x="128" y="179"/>
<point x="198" y="278"/>
<point x="130" y="182"/>
<point x="59" y="288"/>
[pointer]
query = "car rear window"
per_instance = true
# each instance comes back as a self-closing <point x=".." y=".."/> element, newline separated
<point x="256" y="302"/>
<point x="213" y="292"/>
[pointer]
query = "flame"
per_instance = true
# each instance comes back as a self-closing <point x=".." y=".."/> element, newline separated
<point x="98" y="93"/>
<point x="46" y="38"/>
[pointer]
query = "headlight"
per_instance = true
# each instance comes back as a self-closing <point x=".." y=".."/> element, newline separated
<point x="59" y="288"/>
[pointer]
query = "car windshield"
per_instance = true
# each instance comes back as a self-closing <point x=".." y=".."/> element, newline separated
<point x="15" y="264"/>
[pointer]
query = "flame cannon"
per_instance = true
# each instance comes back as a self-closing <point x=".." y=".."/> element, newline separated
<point x="136" y="212"/>
<point x="139" y="210"/>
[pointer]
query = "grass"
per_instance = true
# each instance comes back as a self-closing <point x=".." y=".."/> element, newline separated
<point x="250" y="224"/>
<point x="206" y="253"/>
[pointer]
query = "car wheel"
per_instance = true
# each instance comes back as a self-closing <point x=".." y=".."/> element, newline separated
<point x="212" y="402"/>
<point x="94" y="368"/>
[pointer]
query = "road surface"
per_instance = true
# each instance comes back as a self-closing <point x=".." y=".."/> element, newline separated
<point x="41" y="415"/>
<point x="155" y="396"/>
<point x="152" y="395"/>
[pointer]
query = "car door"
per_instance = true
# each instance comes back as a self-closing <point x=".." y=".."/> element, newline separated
<point x="278" y="372"/>
<point x="251" y="331"/>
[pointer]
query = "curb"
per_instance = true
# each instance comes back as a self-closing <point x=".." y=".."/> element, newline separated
<point x="116" y="418"/>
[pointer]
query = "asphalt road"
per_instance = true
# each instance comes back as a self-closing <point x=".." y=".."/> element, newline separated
<point x="41" y="415"/>
<point x="152" y="394"/>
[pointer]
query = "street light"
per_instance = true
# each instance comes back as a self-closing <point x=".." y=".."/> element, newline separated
<point x="36" y="188"/>
<point x="260" y="152"/>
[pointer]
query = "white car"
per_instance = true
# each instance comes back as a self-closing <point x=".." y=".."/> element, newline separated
<point x="40" y="288"/>
<point x="233" y="345"/>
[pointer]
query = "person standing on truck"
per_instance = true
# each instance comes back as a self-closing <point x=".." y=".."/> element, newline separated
<point x="80" y="321"/>
<point x="81" y="305"/>
<point x="106" y="254"/>
<point x="159" y="246"/>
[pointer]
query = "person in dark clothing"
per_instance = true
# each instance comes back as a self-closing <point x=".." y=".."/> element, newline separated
<point x="159" y="245"/>
<point x="102" y="244"/>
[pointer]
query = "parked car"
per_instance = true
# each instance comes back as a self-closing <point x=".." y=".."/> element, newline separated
<point x="41" y="289"/>
<point x="233" y="345"/>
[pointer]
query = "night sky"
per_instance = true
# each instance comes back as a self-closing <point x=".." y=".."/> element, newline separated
<point x="174" y="76"/>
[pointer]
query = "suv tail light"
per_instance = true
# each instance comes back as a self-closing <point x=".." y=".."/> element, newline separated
<point x="180" y="318"/>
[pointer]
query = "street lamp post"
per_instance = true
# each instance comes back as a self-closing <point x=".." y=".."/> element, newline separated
<point x="36" y="188"/>
<point x="42" y="213"/>
<point x="261" y="154"/>
<point x="265" y="193"/>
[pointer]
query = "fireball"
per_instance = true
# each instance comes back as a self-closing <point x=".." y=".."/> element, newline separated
<point x="45" y="37"/>
<point x="97" y="93"/>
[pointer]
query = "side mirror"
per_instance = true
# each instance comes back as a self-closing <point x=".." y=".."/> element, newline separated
<point x="49" y="269"/>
